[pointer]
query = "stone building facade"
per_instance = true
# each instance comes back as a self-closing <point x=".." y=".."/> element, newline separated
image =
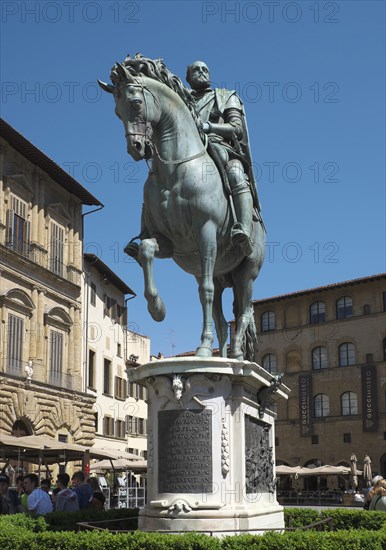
<point x="109" y="349"/>
<point x="330" y="343"/>
<point x="41" y="241"/>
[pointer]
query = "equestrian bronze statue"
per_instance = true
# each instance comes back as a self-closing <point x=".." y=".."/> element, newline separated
<point x="200" y="204"/>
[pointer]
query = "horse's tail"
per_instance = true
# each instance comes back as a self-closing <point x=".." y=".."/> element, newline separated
<point x="249" y="346"/>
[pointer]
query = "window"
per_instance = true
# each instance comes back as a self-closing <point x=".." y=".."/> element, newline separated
<point x="269" y="363"/>
<point x="321" y="405"/>
<point x="344" y="307"/>
<point x="268" y="321"/>
<point x="120" y="388"/>
<point x="349" y="403"/>
<point x="276" y="441"/>
<point x="346" y="354"/>
<point x="136" y="391"/>
<point x="18" y="228"/>
<point x="319" y="358"/>
<point x="63" y="438"/>
<point x="119" y="349"/>
<point x="129" y="424"/>
<point x="384" y="349"/>
<point x="14" y="345"/>
<point x="107" y="377"/>
<point x="91" y="369"/>
<point x="384" y="301"/>
<point x="314" y="440"/>
<point x="57" y="249"/>
<point x="347" y="438"/>
<point x="56" y="357"/>
<point x="93" y="294"/>
<point x="317" y="313"/>
<point x="107" y="305"/>
<point x="108" y="425"/>
<point x="120" y="429"/>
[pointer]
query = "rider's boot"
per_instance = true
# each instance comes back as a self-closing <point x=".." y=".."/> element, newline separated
<point x="241" y="230"/>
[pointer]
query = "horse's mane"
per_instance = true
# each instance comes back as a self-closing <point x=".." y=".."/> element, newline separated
<point x="157" y="70"/>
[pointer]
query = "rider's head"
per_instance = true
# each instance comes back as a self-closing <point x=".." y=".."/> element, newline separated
<point x="198" y="76"/>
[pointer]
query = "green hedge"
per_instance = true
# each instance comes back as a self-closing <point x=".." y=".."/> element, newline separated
<point x="355" y="519"/>
<point x="343" y="518"/>
<point x="103" y="540"/>
<point x="67" y="521"/>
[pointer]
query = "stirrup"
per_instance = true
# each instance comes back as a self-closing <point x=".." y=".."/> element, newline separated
<point x="132" y="249"/>
<point x="240" y="238"/>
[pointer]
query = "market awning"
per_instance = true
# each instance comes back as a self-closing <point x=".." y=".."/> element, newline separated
<point x="39" y="449"/>
<point x="120" y="464"/>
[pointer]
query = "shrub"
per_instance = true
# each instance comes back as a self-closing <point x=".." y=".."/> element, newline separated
<point x="355" y="519"/>
<point x="67" y="521"/>
<point x="299" y="517"/>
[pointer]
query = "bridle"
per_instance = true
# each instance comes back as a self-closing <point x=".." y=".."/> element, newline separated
<point x="145" y="134"/>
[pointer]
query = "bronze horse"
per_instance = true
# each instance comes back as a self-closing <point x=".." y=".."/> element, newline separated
<point x="186" y="214"/>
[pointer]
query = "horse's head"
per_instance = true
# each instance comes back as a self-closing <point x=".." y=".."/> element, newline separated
<point x="137" y="107"/>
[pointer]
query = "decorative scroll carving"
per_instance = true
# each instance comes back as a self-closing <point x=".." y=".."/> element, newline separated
<point x="179" y="506"/>
<point x="224" y="449"/>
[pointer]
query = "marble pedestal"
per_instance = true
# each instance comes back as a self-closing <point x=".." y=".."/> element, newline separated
<point x="210" y="446"/>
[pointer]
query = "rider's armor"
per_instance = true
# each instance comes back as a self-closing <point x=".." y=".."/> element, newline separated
<point x="223" y="113"/>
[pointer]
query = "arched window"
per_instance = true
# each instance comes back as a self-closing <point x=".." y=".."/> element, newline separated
<point x="269" y="363"/>
<point x="319" y="358"/>
<point x="346" y="354"/>
<point x="268" y="321"/>
<point x="317" y="313"/>
<point x="349" y="403"/>
<point x="344" y="307"/>
<point x="321" y="405"/>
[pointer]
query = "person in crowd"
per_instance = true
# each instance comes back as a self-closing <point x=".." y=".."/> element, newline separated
<point x="10" y="502"/>
<point x="66" y="498"/>
<point x="370" y="493"/>
<point x="378" y="501"/>
<point x="45" y="485"/>
<point x="21" y="494"/>
<point x="82" y="489"/>
<point x="97" y="499"/>
<point x="54" y="495"/>
<point x="38" y="501"/>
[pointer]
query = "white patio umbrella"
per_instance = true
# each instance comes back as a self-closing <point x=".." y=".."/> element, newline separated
<point x="367" y="474"/>
<point x="354" y="475"/>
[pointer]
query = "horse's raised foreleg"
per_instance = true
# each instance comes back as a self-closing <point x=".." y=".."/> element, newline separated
<point x="149" y="248"/>
<point x="219" y="319"/>
<point x="208" y="251"/>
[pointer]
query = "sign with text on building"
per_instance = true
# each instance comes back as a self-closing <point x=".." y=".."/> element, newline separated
<point x="369" y="399"/>
<point x="305" y="405"/>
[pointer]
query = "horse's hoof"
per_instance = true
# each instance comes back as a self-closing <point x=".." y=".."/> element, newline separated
<point x="236" y="355"/>
<point x="157" y="310"/>
<point x="204" y="351"/>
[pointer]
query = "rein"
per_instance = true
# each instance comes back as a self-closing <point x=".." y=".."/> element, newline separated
<point x="151" y="142"/>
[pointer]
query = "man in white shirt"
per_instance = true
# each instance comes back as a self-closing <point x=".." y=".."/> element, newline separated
<point x="39" y="502"/>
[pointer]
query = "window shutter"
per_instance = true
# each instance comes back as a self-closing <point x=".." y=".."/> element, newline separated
<point x="10" y="238"/>
<point x="27" y="229"/>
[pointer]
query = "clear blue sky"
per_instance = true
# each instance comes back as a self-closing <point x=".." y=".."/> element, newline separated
<point x="312" y="77"/>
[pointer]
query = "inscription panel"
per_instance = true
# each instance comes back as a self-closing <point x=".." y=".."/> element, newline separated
<point x="185" y="451"/>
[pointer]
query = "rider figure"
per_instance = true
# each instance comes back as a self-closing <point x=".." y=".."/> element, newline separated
<point x="223" y="120"/>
